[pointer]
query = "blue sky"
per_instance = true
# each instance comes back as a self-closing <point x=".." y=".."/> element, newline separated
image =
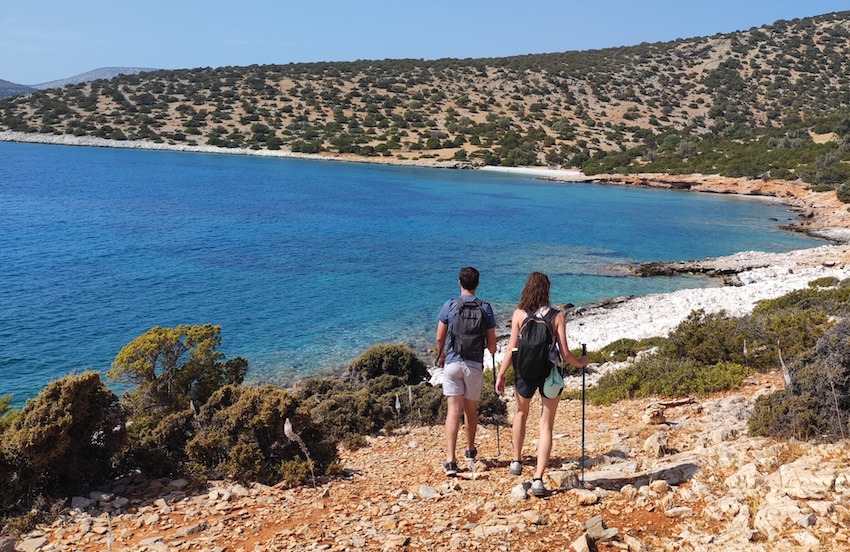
<point x="45" y="40"/>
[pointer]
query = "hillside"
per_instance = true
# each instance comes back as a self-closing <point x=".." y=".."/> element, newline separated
<point x="8" y="89"/>
<point x="95" y="74"/>
<point x="774" y="99"/>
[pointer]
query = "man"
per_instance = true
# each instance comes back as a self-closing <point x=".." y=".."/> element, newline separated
<point x="461" y="354"/>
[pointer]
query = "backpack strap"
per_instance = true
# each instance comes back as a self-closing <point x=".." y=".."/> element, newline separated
<point x="549" y="317"/>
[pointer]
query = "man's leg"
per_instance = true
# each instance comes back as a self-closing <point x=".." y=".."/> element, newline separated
<point x="470" y="411"/>
<point x="455" y="407"/>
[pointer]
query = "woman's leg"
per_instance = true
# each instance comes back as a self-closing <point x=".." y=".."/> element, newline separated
<point x="518" y="428"/>
<point x="544" y="444"/>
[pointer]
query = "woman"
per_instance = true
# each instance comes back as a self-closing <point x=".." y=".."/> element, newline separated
<point x="534" y="298"/>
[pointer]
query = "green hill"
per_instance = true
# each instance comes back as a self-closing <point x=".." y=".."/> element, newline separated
<point x="773" y="100"/>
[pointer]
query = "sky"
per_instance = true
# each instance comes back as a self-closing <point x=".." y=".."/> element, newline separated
<point x="46" y="40"/>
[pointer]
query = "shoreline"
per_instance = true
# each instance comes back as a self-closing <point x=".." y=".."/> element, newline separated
<point x="821" y="214"/>
<point x="761" y="275"/>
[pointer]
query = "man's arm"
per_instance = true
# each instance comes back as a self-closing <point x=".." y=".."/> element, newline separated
<point x="442" y="330"/>
<point x="491" y="341"/>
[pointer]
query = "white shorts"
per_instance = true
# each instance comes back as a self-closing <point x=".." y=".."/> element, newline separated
<point x="465" y="377"/>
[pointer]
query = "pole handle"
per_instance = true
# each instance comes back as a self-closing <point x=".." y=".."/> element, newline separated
<point x="584" y="349"/>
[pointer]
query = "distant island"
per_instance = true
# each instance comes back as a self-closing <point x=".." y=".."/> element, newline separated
<point x="8" y="89"/>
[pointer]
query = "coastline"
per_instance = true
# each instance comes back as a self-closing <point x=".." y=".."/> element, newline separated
<point x="761" y="275"/>
<point x="821" y="214"/>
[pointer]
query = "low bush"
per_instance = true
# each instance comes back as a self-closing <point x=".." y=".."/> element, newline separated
<point x="755" y="341"/>
<point x="389" y="358"/>
<point x="826" y="281"/>
<point x="816" y="404"/>
<point x="61" y="442"/>
<point x="783" y="415"/>
<point x="175" y="371"/>
<point x="621" y="350"/>
<point x="667" y="377"/>
<point x="157" y="446"/>
<point x="707" y="339"/>
<point x="832" y="301"/>
<point x="242" y="435"/>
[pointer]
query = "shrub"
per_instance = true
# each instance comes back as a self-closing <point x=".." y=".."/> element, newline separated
<point x="389" y="358"/>
<point x="706" y="339"/>
<point x="352" y="411"/>
<point x="64" y="440"/>
<point x="826" y="281"/>
<point x="843" y="193"/>
<point x="174" y="368"/>
<point x="783" y="415"/>
<point x="832" y="301"/>
<point x="786" y="331"/>
<point x="817" y="402"/>
<point x="662" y="376"/>
<point x="241" y="435"/>
<point x="175" y="371"/>
<point x="157" y="446"/>
<point x="622" y="349"/>
<point x="491" y="409"/>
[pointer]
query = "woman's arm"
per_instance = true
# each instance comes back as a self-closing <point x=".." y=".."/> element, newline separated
<point x="516" y="322"/>
<point x="566" y="354"/>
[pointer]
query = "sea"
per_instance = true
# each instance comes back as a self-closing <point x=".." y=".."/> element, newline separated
<point x="304" y="264"/>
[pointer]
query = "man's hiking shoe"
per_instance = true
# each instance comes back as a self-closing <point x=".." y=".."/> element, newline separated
<point x="471" y="453"/>
<point x="515" y="467"/>
<point x="451" y="469"/>
<point x="537" y="488"/>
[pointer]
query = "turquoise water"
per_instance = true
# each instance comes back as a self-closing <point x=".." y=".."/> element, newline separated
<point x="304" y="264"/>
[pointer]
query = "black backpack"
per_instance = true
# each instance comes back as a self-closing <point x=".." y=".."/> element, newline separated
<point x="469" y="326"/>
<point x="535" y="338"/>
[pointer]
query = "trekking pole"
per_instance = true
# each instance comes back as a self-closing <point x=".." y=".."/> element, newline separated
<point x="498" y="425"/>
<point x="583" y="353"/>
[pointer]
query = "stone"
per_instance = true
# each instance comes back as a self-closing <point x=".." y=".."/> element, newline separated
<point x="179" y="484"/>
<point x="7" y="544"/>
<point x="520" y="492"/>
<point x="804" y="481"/>
<point x="100" y="496"/>
<point x="634" y="544"/>
<point x="661" y="486"/>
<point x="581" y="544"/>
<point x="426" y="492"/>
<point x="654" y="415"/>
<point x="395" y="541"/>
<point x="32" y="544"/>
<point x="585" y="497"/>
<point x="563" y="479"/>
<point x="775" y="516"/>
<point x="656" y="445"/>
<point x="80" y="502"/>
<point x="534" y="517"/>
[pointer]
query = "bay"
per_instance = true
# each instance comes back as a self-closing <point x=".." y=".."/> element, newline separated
<point x="304" y="264"/>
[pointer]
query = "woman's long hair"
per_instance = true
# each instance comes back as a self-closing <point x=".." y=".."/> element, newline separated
<point x="535" y="294"/>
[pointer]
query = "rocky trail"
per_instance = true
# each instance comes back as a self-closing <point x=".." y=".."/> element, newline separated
<point x="676" y="475"/>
